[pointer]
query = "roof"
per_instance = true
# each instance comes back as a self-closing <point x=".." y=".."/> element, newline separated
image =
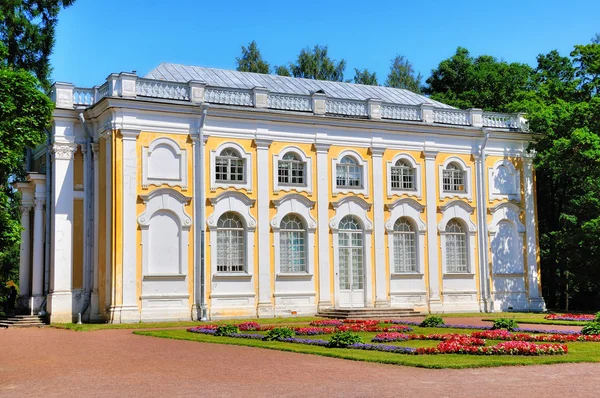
<point x="287" y="85"/>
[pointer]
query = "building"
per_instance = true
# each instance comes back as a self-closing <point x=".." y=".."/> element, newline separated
<point x="305" y="195"/>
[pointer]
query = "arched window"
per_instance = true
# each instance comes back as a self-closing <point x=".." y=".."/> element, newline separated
<point x="229" y="166"/>
<point x="456" y="247"/>
<point x="292" y="240"/>
<point x="348" y="173"/>
<point x="454" y="178"/>
<point x="405" y="250"/>
<point x="291" y="170"/>
<point x="231" y="244"/>
<point x="403" y="176"/>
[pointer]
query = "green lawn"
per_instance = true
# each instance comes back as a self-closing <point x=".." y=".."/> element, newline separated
<point x="90" y="327"/>
<point x="578" y="352"/>
<point x="524" y="317"/>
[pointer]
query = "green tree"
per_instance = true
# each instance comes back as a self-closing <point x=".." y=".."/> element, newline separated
<point x="316" y="64"/>
<point x="282" y="71"/>
<point x="251" y="60"/>
<point x="482" y="82"/>
<point x="26" y="42"/>
<point x="365" y="77"/>
<point x="402" y="75"/>
<point x="27" y="30"/>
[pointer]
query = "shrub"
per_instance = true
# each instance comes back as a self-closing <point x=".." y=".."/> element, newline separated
<point x="432" y="321"/>
<point x="226" y="330"/>
<point x="591" y="328"/>
<point x="597" y="319"/>
<point x="279" y="333"/>
<point x="506" y="324"/>
<point x="344" y="339"/>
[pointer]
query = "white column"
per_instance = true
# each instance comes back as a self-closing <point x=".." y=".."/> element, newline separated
<point x="323" y="226"/>
<point x="110" y="289"/>
<point x="265" y="306"/>
<point x="435" y="303"/>
<point x="536" y="301"/>
<point x="485" y="301"/>
<point x="95" y="310"/>
<point x="61" y="274"/>
<point x="37" y="289"/>
<point x="26" y="191"/>
<point x="129" y="309"/>
<point x="381" y="278"/>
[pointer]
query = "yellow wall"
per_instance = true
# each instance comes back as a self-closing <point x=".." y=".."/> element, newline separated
<point x="78" y="243"/>
<point x="101" y="240"/>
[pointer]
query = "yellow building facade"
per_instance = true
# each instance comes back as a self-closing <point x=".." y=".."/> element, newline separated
<point x="197" y="193"/>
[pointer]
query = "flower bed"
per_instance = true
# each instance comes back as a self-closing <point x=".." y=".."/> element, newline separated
<point x="254" y="327"/>
<point x="554" y="338"/>
<point x="326" y="322"/>
<point x="313" y="331"/>
<point x="451" y="344"/>
<point x="571" y="317"/>
<point x="362" y="321"/>
<point x="388" y="337"/>
<point x="505" y="348"/>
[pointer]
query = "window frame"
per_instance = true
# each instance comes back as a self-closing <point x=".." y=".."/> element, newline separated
<point x="283" y="231"/>
<point x="229" y="171"/>
<point x="467" y="179"/>
<point x="246" y="158"/>
<point x="308" y="172"/>
<point x="463" y="235"/>
<point x="412" y="233"/>
<point x="241" y="249"/>
<point x="363" y="166"/>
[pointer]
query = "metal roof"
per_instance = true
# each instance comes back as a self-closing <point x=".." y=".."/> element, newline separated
<point x="287" y="85"/>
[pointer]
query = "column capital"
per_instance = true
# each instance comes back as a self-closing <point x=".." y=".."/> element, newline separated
<point x="430" y="154"/>
<point x="39" y="203"/>
<point x="377" y="150"/>
<point x="129" y="134"/>
<point x="64" y="151"/>
<point x="322" y="147"/>
<point x="528" y="157"/>
<point x="83" y="148"/>
<point x="95" y="149"/>
<point x="25" y="208"/>
<point x="262" y="143"/>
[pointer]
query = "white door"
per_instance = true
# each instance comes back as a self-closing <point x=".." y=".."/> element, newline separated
<point x="351" y="272"/>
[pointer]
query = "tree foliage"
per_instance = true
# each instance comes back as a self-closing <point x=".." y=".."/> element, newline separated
<point x="482" y="82"/>
<point x="402" y="75"/>
<point x="251" y="60"/>
<point x="317" y="64"/>
<point x="27" y="30"/>
<point x="365" y="77"/>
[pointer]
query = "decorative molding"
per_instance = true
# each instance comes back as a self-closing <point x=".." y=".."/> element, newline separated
<point x="346" y="107"/>
<point x="509" y="187"/>
<point x="167" y="199"/>
<point x="308" y="171"/>
<point x="162" y="89"/>
<point x="408" y="208"/>
<point x="228" y="96"/>
<point x="39" y="203"/>
<point x="63" y="151"/>
<point x="416" y="166"/>
<point x="248" y="166"/>
<point x="363" y="163"/>
<point x="505" y="211"/>
<point x="468" y="194"/>
<point x="451" y="116"/>
<point x="178" y="164"/>
<point x="457" y="209"/>
<point x="351" y="205"/>
<point x="401" y="112"/>
<point x="232" y="201"/>
<point x="289" y="102"/>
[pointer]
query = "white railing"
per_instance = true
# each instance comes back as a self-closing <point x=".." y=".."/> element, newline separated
<point x="500" y="120"/>
<point x="102" y="91"/>
<point x="162" y="89"/>
<point x="228" y="96"/>
<point x="346" y="107"/>
<point x="454" y="116"/>
<point x="83" y="96"/>
<point x="400" y="112"/>
<point x="290" y="102"/>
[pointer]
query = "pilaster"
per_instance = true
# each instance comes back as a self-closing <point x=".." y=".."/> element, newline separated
<point x="265" y="305"/>
<point x="485" y="301"/>
<point x="129" y="311"/>
<point x="381" y="278"/>
<point x="26" y="190"/>
<point x="95" y="309"/>
<point x="536" y="301"/>
<point x="60" y="301"/>
<point x="435" y="303"/>
<point x="323" y="226"/>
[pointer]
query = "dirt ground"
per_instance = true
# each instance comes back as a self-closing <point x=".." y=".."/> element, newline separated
<point x="49" y="362"/>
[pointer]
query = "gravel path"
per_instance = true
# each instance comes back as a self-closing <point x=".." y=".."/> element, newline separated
<point x="49" y="362"/>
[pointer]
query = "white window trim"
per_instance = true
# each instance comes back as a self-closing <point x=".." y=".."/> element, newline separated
<point x="248" y="166"/>
<point x="412" y="210"/>
<point x="364" y="164"/>
<point x="462" y="211"/>
<point x="468" y="194"/>
<point x="308" y="171"/>
<point x="515" y="174"/>
<point x="417" y="177"/>
<point x="240" y="204"/>
<point x="358" y="208"/>
<point x="294" y="204"/>
<point x="174" y="202"/>
<point x="507" y="212"/>
<point x="148" y="180"/>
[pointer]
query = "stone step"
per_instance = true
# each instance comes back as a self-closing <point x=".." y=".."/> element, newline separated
<point x="367" y="313"/>
<point x="23" y="321"/>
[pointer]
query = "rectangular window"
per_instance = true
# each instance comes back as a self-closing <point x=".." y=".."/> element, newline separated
<point x="405" y="256"/>
<point x="402" y="178"/>
<point x="454" y="181"/>
<point x="348" y="176"/>
<point x="456" y="253"/>
<point x="230" y="251"/>
<point x="292" y="252"/>
<point x="229" y="170"/>
<point x="291" y="172"/>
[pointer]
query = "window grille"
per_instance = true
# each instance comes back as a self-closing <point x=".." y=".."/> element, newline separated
<point x="405" y="251"/>
<point x="456" y="247"/>
<point x="348" y="173"/>
<point x="229" y="167"/>
<point x="231" y="244"/>
<point x="291" y="170"/>
<point x="403" y="176"/>
<point x="292" y="241"/>
<point x="454" y="178"/>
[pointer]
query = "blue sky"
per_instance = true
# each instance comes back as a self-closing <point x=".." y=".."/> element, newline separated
<point x="95" y="38"/>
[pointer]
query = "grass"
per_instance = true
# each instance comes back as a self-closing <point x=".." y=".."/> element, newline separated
<point x="536" y="319"/>
<point x="578" y="352"/>
<point x="90" y="327"/>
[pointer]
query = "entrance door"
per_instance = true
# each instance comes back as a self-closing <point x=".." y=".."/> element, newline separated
<point x="351" y="273"/>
